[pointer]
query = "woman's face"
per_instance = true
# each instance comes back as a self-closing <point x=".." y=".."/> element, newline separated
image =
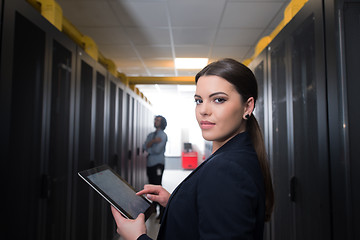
<point x="220" y="110"/>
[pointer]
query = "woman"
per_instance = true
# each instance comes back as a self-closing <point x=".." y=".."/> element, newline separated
<point x="230" y="195"/>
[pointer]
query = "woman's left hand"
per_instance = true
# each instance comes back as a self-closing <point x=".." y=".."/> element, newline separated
<point x="127" y="228"/>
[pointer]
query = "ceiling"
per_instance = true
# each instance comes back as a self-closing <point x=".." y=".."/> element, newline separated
<point x="143" y="37"/>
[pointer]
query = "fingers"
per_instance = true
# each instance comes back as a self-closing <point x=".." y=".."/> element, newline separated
<point x="141" y="217"/>
<point x="148" y="188"/>
<point x="128" y="228"/>
<point x="152" y="192"/>
<point x="117" y="216"/>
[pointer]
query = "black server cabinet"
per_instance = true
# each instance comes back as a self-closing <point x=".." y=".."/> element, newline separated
<point x="142" y="136"/>
<point x="121" y="132"/>
<point x="112" y="126"/>
<point x="349" y="164"/>
<point x="94" y="145"/>
<point x="113" y="116"/>
<point x="100" y="208"/>
<point x="1" y="21"/>
<point x="297" y="132"/>
<point x="61" y="112"/>
<point x="279" y="149"/>
<point x="99" y="116"/>
<point x="136" y="153"/>
<point x="37" y="97"/>
<point x="59" y="158"/>
<point x="125" y="135"/>
<point x="133" y="161"/>
<point x="261" y="112"/>
<point x="21" y="124"/>
<point x="310" y="129"/>
<point x="139" y="178"/>
<point x="260" y="72"/>
<point x="129" y="138"/>
<point x="83" y="155"/>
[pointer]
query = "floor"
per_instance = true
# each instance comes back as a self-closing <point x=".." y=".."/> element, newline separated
<point x="173" y="175"/>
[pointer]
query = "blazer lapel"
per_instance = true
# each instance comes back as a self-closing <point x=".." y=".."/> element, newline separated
<point x="177" y="188"/>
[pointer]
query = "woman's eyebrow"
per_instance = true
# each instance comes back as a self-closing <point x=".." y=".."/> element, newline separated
<point x="217" y="93"/>
<point x="213" y="94"/>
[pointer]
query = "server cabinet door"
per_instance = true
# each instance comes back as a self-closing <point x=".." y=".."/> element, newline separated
<point x="112" y="156"/>
<point x="1" y="16"/>
<point x="136" y="149"/>
<point x="282" y="225"/>
<point x="352" y="163"/>
<point x="121" y="132"/>
<point x="81" y="211"/>
<point x="98" y="206"/>
<point x="299" y="128"/>
<point x="309" y="134"/>
<point x="142" y="137"/>
<point x="99" y="119"/>
<point x="59" y="164"/>
<point x="260" y="74"/>
<point x="112" y="128"/>
<point x="22" y="80"/>
<point x="129" y="118"/>
<point x="259" y="67"/>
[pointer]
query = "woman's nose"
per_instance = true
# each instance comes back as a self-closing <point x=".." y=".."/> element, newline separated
<point x="204" y="109"/>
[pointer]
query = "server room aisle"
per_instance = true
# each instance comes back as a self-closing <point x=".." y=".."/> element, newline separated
<point x="173" y="175"/>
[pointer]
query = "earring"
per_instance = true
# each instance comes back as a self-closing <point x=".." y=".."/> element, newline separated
<point x="247" y="116"/>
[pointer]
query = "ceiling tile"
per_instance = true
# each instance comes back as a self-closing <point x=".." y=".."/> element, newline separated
<point x="237" y="36"/>
<point x="200" y="13"/>
<point x="135" y="71"/>
<point x="253" y="14"/>
<point x="117" y="51"/>
<point x="162" y="71"/>
<point x="192" y="51"/>
<point x="149" y="36"/>
<point x="106" y="35"/>
<point x="188" y="72"/>
<point x="142" y="13"/>
<point x="128" y="62"/>
<point x="238" y="53"/>
<point x="153" y="63"/>
<point x="193" y="36"/>
<point x="154" y="51"/>
<point x="89" y="13"/>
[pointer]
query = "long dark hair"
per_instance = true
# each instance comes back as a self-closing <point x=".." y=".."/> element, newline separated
<point x="245" y="83"/>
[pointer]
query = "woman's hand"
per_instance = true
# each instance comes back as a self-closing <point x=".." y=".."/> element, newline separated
<point x="127" y="228"/>
<point x="155" y="193"/>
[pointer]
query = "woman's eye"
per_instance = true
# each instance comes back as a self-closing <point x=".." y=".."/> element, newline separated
<point x="198" y="101"/>
<point x="219" y="100"/>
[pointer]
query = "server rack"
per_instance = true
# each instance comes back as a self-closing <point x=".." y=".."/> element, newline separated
<point x="61" y="112"/>
<point x="342" y="71"/>
<point x="309" y="122"/>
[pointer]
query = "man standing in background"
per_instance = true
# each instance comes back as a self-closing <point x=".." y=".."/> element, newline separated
<point x="155" y="147"/>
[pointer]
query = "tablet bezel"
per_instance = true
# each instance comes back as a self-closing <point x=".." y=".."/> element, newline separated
<point x="84" y="175"/>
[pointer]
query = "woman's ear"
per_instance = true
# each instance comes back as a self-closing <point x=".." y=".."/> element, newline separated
<point x="249" y="107"/>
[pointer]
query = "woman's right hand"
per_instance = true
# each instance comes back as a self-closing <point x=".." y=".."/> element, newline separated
<point x="155" y="193"/>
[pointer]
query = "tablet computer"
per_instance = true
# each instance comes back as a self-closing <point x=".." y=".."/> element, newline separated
<point x="117" y="192"/>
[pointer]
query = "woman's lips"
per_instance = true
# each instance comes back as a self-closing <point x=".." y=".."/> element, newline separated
<point x="206" y="125"/>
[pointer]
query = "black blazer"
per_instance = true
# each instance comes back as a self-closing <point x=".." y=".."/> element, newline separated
<point x="224" y="198"/>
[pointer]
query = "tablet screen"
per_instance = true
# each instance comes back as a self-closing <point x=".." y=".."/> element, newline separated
<point x="117" y="191"/>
